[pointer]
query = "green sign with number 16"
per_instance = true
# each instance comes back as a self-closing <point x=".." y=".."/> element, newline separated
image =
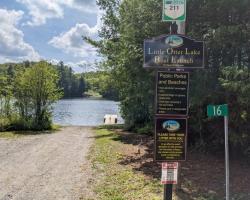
<point x="217" y="110"/>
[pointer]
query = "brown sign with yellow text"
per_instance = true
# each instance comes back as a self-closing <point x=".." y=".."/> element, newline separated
<point x="172" y="93"/>
<point x="170" y="139"/>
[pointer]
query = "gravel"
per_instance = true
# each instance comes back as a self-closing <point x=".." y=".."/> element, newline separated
<point x="46" y="166"/>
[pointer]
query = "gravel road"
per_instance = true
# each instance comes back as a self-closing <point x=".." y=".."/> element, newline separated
<point x="47" y="166"/>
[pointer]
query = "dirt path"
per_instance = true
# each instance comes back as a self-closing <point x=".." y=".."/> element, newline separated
<point x="45" y="167"/>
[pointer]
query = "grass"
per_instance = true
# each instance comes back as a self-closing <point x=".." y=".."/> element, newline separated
<point x="116" y="181"/>
<point x="17" y="134"/>
<point x="111" y="126"/>
<point x="9" y="135"/>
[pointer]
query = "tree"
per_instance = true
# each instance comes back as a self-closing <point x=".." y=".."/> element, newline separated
<point x="126" y="24"/>
<point x="82" y="87"/>
<point x="222" y="24"/>
<point x="36" y="91"/>
<point x="69" y="82"/>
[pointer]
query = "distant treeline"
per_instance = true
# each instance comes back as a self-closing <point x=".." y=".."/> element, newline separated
<point x="101" y="82"/>
<point x="72" y="85"/>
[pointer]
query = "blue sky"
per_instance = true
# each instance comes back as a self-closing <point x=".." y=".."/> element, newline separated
<point x="49" y="30"/>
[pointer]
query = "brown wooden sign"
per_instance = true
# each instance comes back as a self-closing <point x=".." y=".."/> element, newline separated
<point x="172" y="93"/>
<point x="170" y="139"/>
<point x="173" y="51"/>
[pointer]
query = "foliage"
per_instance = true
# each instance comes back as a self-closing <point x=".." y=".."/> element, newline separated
<point x="71" y="84"/>
<point x="236" y="81"/>
<point x="224" y="27"/>
<point x="222" y="24"/>
<point x="101" y="83"/>
<point x="125" y="27"/>
<point x="115" y="180"/>
<point x="27" y="93"/>
<point x="35" y="92"/>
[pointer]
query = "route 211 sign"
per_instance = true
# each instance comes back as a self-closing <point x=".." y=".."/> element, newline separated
<point x="174" y="10"/>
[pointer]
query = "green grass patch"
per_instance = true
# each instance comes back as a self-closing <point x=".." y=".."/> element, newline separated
<point x="55" y="127"/>
<point x="17" y="134"/>
<point x="114" y="181"/>
<point x="111" y="126"/>
<point x="9" y="135"/>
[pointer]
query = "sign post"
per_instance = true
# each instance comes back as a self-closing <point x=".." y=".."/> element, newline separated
<point x="218" y="111"/>
<point x="226" y="156"/>
<point x="170" y="146"/>
<point x="177" y="52"/>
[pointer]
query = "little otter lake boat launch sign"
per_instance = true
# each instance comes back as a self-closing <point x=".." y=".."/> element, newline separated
<point x="173" y="51"/>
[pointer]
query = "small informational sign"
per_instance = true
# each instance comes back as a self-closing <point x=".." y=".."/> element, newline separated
<point x="174" y="10"/>
<point x="172" y="93"/>
<point x="217" y="110"/>
<point x="169" y="173"/>
<point x="170" y="139"/>
<point x="173" y="51"/>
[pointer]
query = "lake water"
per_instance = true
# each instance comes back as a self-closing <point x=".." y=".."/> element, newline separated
<point x="84" y="112"/>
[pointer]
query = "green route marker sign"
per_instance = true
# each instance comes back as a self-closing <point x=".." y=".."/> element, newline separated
<point x="217" y="110"/>
<point x="174" y="10"/>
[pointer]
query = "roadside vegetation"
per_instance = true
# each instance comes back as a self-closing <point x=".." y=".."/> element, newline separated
<point x="114" y="181"/>
<point x="120" y="172"/>
<point x="223" y="25"/>
<point x="26" y="98"/>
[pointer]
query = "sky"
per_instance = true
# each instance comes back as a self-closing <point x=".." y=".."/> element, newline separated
<point x="49" y="30"/>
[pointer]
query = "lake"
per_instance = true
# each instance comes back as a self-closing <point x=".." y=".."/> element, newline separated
<point x="84" y="112"/>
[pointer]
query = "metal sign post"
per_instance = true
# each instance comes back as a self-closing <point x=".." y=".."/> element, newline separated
<point x="226" y="156"/>
<point x="168" y="191"/>
<point x="170" y="98"/>
<point x="218" y="111"/>
<point x="169" y="178"/>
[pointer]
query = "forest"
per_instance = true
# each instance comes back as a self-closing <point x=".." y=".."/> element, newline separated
<point x="29" y="89"/>
<point x="224" y="26"/>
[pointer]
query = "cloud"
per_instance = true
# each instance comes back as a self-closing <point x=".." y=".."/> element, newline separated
<point x="78" y="66"/>
<point x="82" y="66"/>
<point x="71" y="41"/>
<point x="12" y="45"/>
<point x="83" y="5"/>
<point x="42" y="10"/>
